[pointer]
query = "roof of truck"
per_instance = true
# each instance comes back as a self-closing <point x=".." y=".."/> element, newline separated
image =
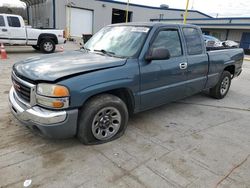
<point x="9" y="14"/>
<point x="152" y="24"/>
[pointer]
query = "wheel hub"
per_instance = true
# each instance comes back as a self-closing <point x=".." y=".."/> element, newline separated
<point x="106" y="123"/>
<point x="48" y="46"/>
<point x="224" y="85"/>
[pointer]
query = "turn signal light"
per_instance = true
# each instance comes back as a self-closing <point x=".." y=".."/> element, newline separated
<point x="57" y="104"/>
<point x="61" y="91"/>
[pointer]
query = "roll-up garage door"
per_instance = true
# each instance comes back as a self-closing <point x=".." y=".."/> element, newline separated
<point x="81" y="22"/>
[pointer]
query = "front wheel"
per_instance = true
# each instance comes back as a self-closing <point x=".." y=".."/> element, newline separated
<point x="222" y="87"/>
<point x="102" y="119"/>
<point x="47" y="46"/>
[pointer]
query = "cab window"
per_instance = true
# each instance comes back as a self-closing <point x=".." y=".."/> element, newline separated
<point x="2" y="24"/>
<point x="193" y="41"/>
<point x="13" y="21"/>
<point x="170" y="40"/>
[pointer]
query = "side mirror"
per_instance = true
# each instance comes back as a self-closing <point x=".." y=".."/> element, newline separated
<point x="157" y="54"/>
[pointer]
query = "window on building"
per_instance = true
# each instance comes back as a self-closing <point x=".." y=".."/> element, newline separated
<point x="170" y="40"/>
<point x="13" y="21"/>
<point x="2" y="21"/>
<point x="119" y="16"/>
<point x="193" y="41"/>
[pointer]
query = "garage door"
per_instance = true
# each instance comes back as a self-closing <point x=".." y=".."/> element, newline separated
<point x="81" y="22"/>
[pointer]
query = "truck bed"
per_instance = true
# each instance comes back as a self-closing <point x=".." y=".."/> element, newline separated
<point x="219" y="58"/>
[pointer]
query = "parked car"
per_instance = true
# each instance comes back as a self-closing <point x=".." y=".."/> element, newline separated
<point x="230" y="43"/>
<point x="14" y="32"/>
<point x="213" y="42"/>
<point x="123" y="69"/>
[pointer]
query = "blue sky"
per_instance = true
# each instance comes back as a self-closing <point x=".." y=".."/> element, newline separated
<point x="224" y="8"/>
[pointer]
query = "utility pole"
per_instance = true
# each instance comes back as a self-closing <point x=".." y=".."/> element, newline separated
<point x="186" y="13"/>
<point x="127" y="12"/>
<point x="68" y="12"/>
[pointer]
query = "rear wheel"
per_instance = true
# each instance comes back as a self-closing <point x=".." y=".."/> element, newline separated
<point x="102" y="119"/>
<point x="222" y="87"/>
<point x="47" y="46"/>
<point x="36" y="47"/>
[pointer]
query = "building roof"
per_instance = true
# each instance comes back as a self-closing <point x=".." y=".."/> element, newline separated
<point x="151" y="7"/>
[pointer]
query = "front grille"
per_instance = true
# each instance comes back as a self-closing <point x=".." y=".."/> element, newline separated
<point x="22" y="90"/>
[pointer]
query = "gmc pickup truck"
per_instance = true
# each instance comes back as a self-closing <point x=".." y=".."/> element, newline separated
<point x="14" y="32"/>
<point x="121" y="70"/>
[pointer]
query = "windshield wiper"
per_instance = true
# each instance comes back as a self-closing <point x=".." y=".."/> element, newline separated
<point x="85" y="48"/>
<point x="105" y="52"/>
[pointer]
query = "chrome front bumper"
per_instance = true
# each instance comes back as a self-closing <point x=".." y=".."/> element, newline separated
<point x="53" y="124"/>
<point x="34" y="114"/>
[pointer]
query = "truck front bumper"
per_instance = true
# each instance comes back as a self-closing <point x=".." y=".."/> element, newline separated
<point x="52" y="124"/>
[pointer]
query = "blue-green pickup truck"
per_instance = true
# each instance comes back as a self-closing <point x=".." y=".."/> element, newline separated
<point x="123" y="69"/>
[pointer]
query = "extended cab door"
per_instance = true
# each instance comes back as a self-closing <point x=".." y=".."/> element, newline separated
<point x="197" y="60"/>
<point x="4" y="38"/>
<point x="17" y="31"/>
<point x="163" y="81"/>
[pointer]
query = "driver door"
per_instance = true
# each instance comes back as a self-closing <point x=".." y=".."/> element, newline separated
<point x="163" y="81"/>
<point x="4" y="35"/>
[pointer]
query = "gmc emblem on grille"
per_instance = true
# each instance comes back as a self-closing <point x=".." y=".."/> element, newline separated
<point x="16" y="86"/>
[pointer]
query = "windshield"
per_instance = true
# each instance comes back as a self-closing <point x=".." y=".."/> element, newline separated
<point x="120" y="41"/>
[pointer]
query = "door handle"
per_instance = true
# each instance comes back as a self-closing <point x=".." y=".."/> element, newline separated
<point x="4" y="30"/>
<point x="183" y="65"/>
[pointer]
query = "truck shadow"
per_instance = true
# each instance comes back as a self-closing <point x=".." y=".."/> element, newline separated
<point x="21" y="50"/>
<point x="173" y="105"/>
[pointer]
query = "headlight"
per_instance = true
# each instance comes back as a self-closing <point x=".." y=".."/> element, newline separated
<point x="52" y="90"/>
<point x="52" y="96"/>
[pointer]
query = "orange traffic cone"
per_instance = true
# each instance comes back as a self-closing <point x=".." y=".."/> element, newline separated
<point x="3" y="52"/>
<point x="61" y="49"/>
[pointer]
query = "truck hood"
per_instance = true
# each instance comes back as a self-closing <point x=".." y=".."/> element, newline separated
<point x="52" y="67"/>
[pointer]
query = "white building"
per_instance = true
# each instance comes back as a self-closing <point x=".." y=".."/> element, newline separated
<point x="89" y="16"/>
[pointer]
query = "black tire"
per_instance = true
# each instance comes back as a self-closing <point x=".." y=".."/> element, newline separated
<point x="36" y="47"/>
<point x="216" y="91"/>
<point x="92" y="110"/>
<point x="47" y="45"/>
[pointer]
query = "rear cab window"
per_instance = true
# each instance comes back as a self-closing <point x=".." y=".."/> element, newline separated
<point x="13" y="21"/>
<point x="2" y="23"/>
<point x="193" y="41"/>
